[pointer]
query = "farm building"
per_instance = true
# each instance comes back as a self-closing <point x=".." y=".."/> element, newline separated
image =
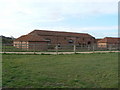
<point x="41" y="39"/>
<point x="109" y="42"/>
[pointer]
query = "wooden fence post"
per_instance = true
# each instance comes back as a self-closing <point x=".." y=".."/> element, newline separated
<point x="93" y="48"/>
<point x="4" y="48"/>
<point x="56" y="49"/>
<point x="74" y="48"/>
<point x="34" y="47"/>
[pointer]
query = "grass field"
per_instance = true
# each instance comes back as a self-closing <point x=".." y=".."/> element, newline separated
<point x="61" y="71"/>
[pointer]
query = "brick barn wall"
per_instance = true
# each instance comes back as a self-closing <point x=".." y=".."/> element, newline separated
<point x="65" y="40"/>
<point x="37" y="46"/>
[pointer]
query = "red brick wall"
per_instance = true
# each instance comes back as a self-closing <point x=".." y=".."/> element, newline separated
<point x="65" y="40"/>
<point x="37" y="46"/>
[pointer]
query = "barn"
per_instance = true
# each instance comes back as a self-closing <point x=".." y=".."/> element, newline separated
<point x="109" y="42"/>
<point x="41" y="39"/>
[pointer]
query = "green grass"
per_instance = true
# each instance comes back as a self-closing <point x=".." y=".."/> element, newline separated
<point x="61" y="71"/>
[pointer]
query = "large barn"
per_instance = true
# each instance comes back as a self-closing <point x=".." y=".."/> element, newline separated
<point x="40" y="39"/>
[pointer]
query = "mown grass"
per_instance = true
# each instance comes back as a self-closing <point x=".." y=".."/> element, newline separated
<point x="61" y="71"/>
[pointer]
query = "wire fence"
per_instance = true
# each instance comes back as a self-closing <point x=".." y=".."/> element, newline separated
<point x="57" y="48"/>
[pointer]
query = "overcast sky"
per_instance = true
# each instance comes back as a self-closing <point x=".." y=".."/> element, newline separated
<point x="96" y="17"/>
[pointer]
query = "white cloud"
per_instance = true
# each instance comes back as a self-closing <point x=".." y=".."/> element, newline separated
<point x="46" y="8"/>
<point x="98" y="32"/>
<point x="17" y="15"/>
<point x="70" y="1"/>
<point x="82" y="29"/>
<point x="107" y="28"/>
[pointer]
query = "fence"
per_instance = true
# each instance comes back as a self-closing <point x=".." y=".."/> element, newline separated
<point x="57" y="48"/>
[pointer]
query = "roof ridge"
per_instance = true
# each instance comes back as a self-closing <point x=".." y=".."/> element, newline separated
<point x="59" y="31"/>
